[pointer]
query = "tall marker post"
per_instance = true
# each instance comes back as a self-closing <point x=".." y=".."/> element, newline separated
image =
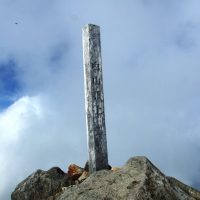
<point x="94" y="99"/>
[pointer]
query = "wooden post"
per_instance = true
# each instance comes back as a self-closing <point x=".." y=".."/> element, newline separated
<point x="94" y="99"/>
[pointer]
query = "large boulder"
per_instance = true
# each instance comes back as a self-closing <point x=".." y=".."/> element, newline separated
<point x="41" y="185"/>
<point x="139" y="179"/>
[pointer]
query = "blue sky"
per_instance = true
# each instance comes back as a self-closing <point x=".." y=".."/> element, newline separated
<point x="10" y="86"/>
<point x="151" y="69"/>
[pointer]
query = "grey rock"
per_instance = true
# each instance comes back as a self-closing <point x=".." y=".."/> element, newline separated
<point x="41" y="185"/>
<point x="139" y="179"/>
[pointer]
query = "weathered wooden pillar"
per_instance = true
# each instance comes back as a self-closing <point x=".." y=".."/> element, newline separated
<point x="94" y="99"/>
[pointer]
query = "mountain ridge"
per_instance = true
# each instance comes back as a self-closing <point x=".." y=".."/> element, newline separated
<point x="138" y="179"/>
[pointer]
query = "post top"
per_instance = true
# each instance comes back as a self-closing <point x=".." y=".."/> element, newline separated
<point x="91" y="26"/>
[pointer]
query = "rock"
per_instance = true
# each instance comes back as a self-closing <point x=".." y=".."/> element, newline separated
<point x="74" y="172"/>
<point x="115" y="169"/>
<point x="139" y="179"/>
<point x="83" y="176"/>
<point x="41" y="185"/>
<point x="189" y="190"/>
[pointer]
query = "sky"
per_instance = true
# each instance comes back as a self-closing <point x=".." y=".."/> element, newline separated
<point x="151" y="67"/>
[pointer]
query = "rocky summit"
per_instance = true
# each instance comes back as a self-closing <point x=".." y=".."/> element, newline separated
<point x="138" y="179"/>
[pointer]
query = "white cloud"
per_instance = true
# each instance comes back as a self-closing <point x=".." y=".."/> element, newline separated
<point x="15" y="122"/>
